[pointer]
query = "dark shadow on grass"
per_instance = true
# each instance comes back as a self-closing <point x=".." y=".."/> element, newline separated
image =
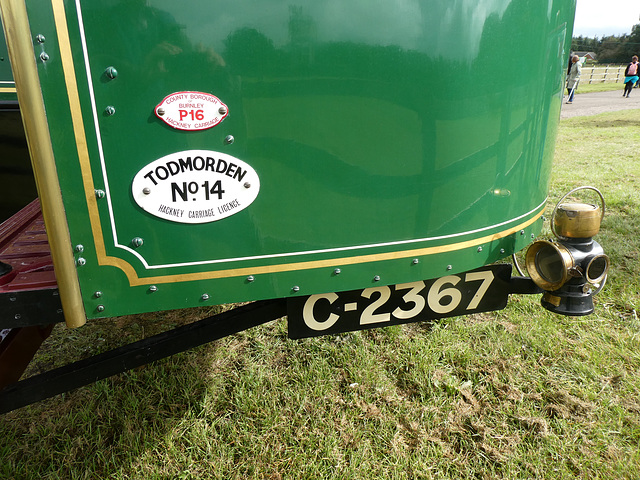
<point x="110" y="425"/>
<point x="615" y="123"/>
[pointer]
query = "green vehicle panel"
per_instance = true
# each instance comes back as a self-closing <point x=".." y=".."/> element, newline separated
<point x="7" y="84"/>
<point x="354" y="144"/>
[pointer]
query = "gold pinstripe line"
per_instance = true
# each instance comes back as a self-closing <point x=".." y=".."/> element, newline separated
<point x="417" y="252"/>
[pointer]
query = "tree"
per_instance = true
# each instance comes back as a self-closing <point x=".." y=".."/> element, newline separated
<point x="612" y="48"/>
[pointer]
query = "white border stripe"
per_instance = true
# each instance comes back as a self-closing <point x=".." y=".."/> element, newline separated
<point x="99" y="139"/>
<point x="355" y="247"/>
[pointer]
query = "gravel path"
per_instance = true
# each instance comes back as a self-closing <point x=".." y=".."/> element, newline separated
<point x="599" y="102"/>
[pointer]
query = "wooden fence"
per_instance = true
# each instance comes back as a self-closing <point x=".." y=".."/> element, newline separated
<point x="603" y="74"/>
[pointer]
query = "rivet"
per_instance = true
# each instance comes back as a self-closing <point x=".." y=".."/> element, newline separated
<point x="100" y="193"/>
<point x="376" y="278"/>
<point x="110" y="110"/>
<point x="479" y="249"/>
<point x="222" y="110"/>
<point x="247" y="185"/>
<point x="205" y="297"/>
<point x="97" y="294"/>
<point x="82" y="261"/>
<point x="153" y="288"/>
<point x="160" y="111"/>
<point x="337" y="271"/>
<point x="415" y="261"/>
<point x="533" y="235"/>
<point x="100" y="308"/>
<point x="250" y="278"/>
<point x="449" y="267"/>
<point x="502" y="250"/>
<point x="146" y="190"/>
<point x="296" y="288"/>
<point x="59" y="311"/>
<point x="44" y="57"/>
<point x="40" y="38"/>
<point x="17" y="316"/>
<point x="12" y="298"/>
<point x="137" y="242"/>
<point x="521" y="232"/>
<point x="79" y="248"/>
<point x="229" y="139"/>
<point x="111" y="72"/>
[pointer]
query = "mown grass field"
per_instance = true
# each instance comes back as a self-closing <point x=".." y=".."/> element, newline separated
<point x="584" y="87"/>
<point x="519" y="393"/>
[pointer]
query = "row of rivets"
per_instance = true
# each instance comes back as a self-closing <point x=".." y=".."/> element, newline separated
<point x="43" y="55"/>
<point x="18" y="316"/>
<point x="111" y="73"/>
<point x="376" y="278"/>
<point x="251" y="278"/>
<point x="137" y="241"/>
<point x="80" y="261"/>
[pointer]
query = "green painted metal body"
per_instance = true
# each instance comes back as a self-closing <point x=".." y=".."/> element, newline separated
<point x="7" y="84"/>
<point x="393" y="141"/>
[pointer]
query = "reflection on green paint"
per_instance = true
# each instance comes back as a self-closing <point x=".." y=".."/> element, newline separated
<point x="370" y="126"/>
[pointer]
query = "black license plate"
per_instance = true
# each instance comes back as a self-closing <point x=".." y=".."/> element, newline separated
<point x="481" y="290"/>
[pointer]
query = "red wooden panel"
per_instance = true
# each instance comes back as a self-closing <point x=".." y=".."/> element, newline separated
<point x="24" y="246"/>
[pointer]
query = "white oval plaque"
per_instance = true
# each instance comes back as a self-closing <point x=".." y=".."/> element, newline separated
<point x="191" y="110"/>
<point x="195" y="186"/>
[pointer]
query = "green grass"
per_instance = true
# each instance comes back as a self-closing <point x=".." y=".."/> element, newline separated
<point x="519" y="393"/>
<point x="598" y="87"/>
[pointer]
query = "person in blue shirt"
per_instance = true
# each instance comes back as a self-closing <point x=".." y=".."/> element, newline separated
<point x="630" y="76"/>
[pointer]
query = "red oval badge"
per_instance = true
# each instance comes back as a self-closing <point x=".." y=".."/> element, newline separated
<point x="191" y="110"/>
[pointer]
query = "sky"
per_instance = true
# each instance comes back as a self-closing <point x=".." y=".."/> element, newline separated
<point x="605" y="17"/>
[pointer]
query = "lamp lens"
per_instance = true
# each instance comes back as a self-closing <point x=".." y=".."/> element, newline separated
<point x="549" y="264"/>
<point x="597" y="268"/>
